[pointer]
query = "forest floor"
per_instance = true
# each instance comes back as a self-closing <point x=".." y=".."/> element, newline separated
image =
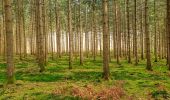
<point x="127" y="82"/>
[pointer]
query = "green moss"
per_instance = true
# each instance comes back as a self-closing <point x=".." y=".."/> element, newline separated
<point x="35" y="85"/>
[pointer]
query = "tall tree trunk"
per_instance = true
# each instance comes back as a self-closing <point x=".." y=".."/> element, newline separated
<point x="9" y="41"/>
<point x="44" y="30"/>
<point x="86" y="34"/>
<point x="24" y="30"/>
<point x="147" y="35"/>
<point x="114" y="28"/>
<point x="109" y="34"/>
<point x="128" y="33"/>
<point x="4" y="30"/>
<point x="51" y="30"/>
<point x="20" y="25"/>
<point x="94" y="30"/>
<point x="141" y="33"/>
<point x="135" y="35"/>
<point x="81" y="35"/>
<point x="40" y="35"/>
<point x="155" y="38"/>
<point x="117" y="33"/>
<point x="70" y="33"/>
<point x="105" y="41"/>
<point x="159" y="42"/>
<point x="168" y="31"/>
<point x="58" y="31"/>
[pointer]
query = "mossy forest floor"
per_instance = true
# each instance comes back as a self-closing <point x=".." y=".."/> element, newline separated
<point x="127" y="81"/>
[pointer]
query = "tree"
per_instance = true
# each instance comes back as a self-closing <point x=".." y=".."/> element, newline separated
<point x="147" y="35"/>
<point x="81" y="35"/>
<point x="141" y="32"/>
<point x="155" y="38"/>
<point x="105" y="41"/>
<point x="94" y="29"/>
<point x="114" y="27"/>
<point x="135" y="35"/>
<point x="51" y="29"/>
<point x="9" y="41"/>
<point x="40" y="35"/>
<point x="128" y="32"/>
<point x="70" y="33"/>
<point x="168" y="30"/>
<point x="20" y="25"/>
<point x="58" y="31"/>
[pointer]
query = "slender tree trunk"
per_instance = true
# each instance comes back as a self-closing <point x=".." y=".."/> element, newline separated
<point x="105" y="41"/>
<point x="94" y="30"/>
<point x="86" y="34"/>
<point x="117" y="34"/>
<point x="24" y="30"/>
<point x="51" y="30"/>
<point x="9" y="41"/>
<point x="70" y="33"/>
<point x="141" y="32"/>
<point x="40" y="35"/>
<point x="159" y="41"/>
<point x="4" y="30"/>
<point x="109" y="35"/>
<point x="20" y="28"/>
<point x="128" y="32"/>
<point x="147" y="35"/>
<point x="44" y="30"/>
<point x="168" y="31"/>
<point x="135" y="36"/>
<point x="155" y="38"/>
<point x="81" y="35"/>
<point x="58" y="31"/>
<point x="114" y="28"/>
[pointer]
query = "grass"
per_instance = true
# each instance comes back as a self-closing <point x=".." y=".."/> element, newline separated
<point x="58" y="82"/>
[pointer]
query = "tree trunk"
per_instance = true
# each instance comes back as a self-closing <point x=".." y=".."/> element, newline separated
<point x="81" y="35"/>
<point x="141" y="33"/>
<point x="128" y="32"/>
<point x="58" y="31"/>
<point x="168" y="31"/>
<point x="135" y="35"/>
<point x="155" y="38"/>
<point x="70" y="33"/>
<point x="147" y="35"/>
<point x="94" y="30"/>
<point x="51" y="31"/>
<point x="9" y="41"/>
<point x="105" y="41"/>
<point x="40" y="38"/>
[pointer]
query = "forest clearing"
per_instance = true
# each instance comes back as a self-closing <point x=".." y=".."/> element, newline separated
<point x="84" y="50"/>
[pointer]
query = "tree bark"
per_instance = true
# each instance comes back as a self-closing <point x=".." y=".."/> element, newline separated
<point x="70" y="33"/>
<point x="128" y="33"/>
<point x="168" y="31"/>
<point x="9" y="41"/>
<point x="155" y="38"/>
<point x="135" y="35"/>
<point x="81" y="35"/>
<point x="105" y="41"/>
<point x="147" y="35"/>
